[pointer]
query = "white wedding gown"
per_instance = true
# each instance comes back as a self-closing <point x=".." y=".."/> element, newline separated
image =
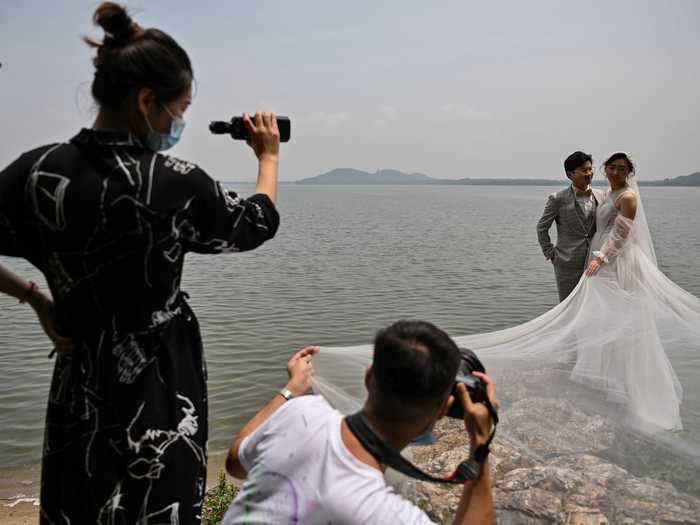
<point x="605" y="349"/>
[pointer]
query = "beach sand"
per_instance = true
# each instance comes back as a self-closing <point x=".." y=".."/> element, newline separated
<point x="19" y="490"/>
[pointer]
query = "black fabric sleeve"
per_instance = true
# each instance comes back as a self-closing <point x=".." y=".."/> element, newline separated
<point x="12" y="180"/>
<point x="225" y="222"/>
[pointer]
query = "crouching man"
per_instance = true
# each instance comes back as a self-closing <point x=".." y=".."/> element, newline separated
<point x="303" y="464"/>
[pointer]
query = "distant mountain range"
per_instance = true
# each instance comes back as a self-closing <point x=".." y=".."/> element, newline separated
<point x="353" y="176"/>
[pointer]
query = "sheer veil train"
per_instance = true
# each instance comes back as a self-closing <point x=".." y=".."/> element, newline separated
<point x="605" y="352"/>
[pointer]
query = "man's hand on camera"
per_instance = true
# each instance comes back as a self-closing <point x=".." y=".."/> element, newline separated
<point x="477" y="419"/>
<point x="264" y="135"/>
<point x="301" y="371"/>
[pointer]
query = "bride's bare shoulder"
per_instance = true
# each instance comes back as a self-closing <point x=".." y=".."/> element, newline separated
<point x="627" y="203"/>
<point x="628" y="195"/>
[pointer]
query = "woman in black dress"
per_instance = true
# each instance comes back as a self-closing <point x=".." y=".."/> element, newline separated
<point x="108" y="221"/>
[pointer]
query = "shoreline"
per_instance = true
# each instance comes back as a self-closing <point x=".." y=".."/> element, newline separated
<point x="20" y="486"/>
<point x="19" y="494"/>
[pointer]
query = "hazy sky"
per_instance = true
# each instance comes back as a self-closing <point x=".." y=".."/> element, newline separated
<point x="449" y="89"/>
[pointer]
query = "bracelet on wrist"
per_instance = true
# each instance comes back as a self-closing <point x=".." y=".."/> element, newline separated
<point x="286" y="394"/>
<point x="601" y="257"/>
<point x="480" y="453"/>
<point x="30" y="291"/>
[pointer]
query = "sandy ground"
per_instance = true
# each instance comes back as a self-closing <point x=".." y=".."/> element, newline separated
<point x="19" y="491"/>
<point x="20" y="488"/>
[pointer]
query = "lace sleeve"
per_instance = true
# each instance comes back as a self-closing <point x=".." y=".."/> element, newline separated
<point x="617" y="239"/>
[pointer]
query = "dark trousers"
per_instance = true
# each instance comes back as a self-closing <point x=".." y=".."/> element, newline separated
<point x="567" y="278"/>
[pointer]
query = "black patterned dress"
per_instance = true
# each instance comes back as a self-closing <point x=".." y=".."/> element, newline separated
<point x="109" y="223"/>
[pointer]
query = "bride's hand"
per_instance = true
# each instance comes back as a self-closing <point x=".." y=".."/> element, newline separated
<point x="593" y="267"/>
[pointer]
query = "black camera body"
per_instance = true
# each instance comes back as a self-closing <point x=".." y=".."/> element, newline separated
<point x="475" y="386"/>
<point x="236" y="128"/>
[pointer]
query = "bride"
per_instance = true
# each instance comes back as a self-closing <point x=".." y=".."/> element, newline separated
<point x="633" y="368"/>
<point x="614" y="333"/>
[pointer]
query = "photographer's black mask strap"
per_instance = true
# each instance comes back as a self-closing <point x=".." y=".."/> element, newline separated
<point x="467" y="472"/>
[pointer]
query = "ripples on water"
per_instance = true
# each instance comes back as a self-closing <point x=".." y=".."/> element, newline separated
<point x="346" y="261"/>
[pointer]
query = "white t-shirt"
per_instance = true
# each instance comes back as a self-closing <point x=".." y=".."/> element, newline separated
<point x="299" y="471"/>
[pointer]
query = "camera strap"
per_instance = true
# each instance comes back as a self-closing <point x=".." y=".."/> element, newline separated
<point x="466" y="472"/>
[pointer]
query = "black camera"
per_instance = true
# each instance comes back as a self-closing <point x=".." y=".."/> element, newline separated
<point x="475" y="386"/>
<point x="236" y="128"/>
<point x="468" y="470"/>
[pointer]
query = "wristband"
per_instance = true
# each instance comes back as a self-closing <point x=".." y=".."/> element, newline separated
<point x="286" y="394"/>
<point x="32" y="288"/>
<point x="602" y="258"/>
<point x="481" y="453"/>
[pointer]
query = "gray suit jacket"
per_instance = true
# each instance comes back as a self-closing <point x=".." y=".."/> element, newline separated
<point x="574" y="233"/>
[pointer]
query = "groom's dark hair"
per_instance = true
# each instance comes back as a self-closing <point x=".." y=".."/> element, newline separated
<point x="414" y="368"/>
<point x="576" y="160"/>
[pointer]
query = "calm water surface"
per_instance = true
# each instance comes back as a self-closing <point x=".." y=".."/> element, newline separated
<point x="346" y="261"/>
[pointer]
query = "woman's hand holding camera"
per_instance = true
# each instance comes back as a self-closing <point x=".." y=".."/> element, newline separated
<point x="264" y="135"/>
<point x="477" y="419"/>
<point x="265" y="141"/>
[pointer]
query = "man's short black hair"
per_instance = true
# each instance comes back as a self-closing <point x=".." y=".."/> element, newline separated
<point x="576" y="160"/>
<point x="414" y="368"/>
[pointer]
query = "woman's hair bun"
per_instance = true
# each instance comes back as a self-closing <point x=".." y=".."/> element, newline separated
<point x="129" y="58"/>
<point x="118" y="26"/>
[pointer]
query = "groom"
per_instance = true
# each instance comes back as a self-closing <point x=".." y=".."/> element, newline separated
<point x="573" y="209"/>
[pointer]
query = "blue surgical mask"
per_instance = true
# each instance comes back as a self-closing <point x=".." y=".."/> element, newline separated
<point x="156" y="141"/>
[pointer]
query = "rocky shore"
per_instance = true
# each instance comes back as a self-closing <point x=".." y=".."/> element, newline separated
<point x="556" y="474"/>
<point x="565" y="468"/>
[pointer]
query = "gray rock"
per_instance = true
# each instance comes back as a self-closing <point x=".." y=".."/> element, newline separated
<point x="601" y="488"/>
<point x="549" y="427"/>
<point x="556" y="479"/>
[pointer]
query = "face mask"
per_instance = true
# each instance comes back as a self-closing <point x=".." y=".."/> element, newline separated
<point x="156" y="141"/>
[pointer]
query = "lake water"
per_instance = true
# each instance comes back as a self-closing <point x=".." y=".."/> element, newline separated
<point x="346" y="261"/>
